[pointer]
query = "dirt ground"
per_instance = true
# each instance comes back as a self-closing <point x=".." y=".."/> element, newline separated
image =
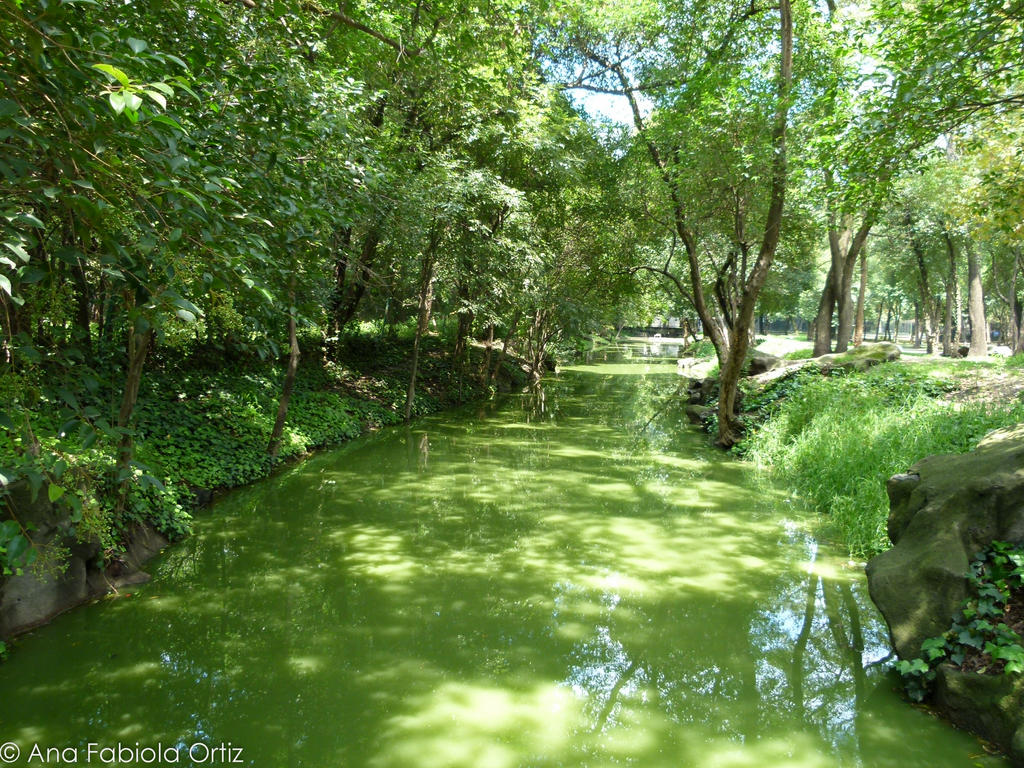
<point x="978" y="384"/>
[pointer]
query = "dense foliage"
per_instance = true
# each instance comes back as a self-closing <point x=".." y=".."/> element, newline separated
<point x="201" y="200"/>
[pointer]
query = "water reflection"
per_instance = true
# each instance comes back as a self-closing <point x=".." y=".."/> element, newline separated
<point x="570" y="579"/>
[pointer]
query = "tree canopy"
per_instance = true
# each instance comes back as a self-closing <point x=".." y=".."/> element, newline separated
<point x="242" y="177"/>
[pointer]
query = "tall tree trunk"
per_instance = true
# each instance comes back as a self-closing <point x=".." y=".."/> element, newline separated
<point x="858" y="329"/>
<point x="844" y="300"/>
<point x="731" y="346"/>
<point x="274" y="446"/>
<point x="351" y="279"/>
<point x="492" y="374"/>
<point x="425" y="299"/>
<point x="462" y="327"/>
<point x="138" y="348"/>
<point x="536" y="345"/>
<point x="976" y="305"/>
<point x="842" y="242"/>
<point x="485" y="371"/>
<point x="845" y="247"/>
<point x="929" y="332"/>
<point x="947" y="330"/>
<point x="826" y="306"/>
<point x="1016" y="307"/>
<point x="958" y="314"/>
<point x="728" y="428"/>
<point x="342" y="243"/>
<point x="1016" y="316"/>
<point x="878" y="323"/>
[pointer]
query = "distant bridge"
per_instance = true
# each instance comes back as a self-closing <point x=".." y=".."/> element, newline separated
<point x="651" y="330"/>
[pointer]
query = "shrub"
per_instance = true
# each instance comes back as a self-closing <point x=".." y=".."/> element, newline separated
<point x="836" y="440"/>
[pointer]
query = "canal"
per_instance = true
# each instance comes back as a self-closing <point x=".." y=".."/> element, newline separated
<point x="571" y="577"/>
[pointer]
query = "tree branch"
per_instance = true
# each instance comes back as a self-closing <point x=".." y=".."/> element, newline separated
<point x="343" y="18"/>
<point x="665" y="273"/>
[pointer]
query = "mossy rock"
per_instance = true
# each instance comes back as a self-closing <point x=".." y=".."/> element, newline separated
<point x="698" y="414"/>
<point x="863" y="357"/>
<point x="944" y="511"/>
<point x="991" y="706"/>
<point x="761" y="362"/>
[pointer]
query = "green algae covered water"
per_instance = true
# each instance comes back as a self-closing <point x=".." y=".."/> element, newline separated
<point x="565" y="578"/>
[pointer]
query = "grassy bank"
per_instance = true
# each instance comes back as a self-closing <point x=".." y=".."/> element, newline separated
<point x="835" y="439"/>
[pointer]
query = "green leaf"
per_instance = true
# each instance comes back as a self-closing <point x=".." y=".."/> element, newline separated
<point x="137" y="46"/>
<point x="29" y="218"/>
<point x="5" y="284"/>
<point x="54" y="492"/>
<point x="117" y="101"/>
<point x="18" y="250"/>
<point x="16" y="548"/>
<point x="114" y="72"/>
<point x="168" y="121"/>
<point x="31" y="275"/>
<point x="86" y="435"/>
<point x="157" y="97"/>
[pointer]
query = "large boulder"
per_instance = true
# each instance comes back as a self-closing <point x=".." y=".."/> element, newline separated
<point x="761" y="362"/>
<point x="863" y="357"/>
<point x="943" y="512"/>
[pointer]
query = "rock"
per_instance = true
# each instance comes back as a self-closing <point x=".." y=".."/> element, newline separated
<point x="1000" y="350"/>
<point x="698" y="414"/>
<point x="863" y="357"/>
<point x="761" y="362"/>
<point x="202" y="497"/>
<point x="899" y="488"/>
<point x="38" y="595"/>
<point x="30" y="600"/>
<point x="989" y="705"/>
<point x="700" y="391"/>
<point x="942" y="513"/>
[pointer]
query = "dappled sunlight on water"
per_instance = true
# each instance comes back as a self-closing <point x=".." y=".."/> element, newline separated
<point x="567" y="578"/>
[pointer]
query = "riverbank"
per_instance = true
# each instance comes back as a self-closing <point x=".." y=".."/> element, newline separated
<point x="835" y="436"/>
<point x="202" y="426"/>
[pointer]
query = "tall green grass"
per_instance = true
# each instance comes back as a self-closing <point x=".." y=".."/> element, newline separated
<point x="836" y="440"/>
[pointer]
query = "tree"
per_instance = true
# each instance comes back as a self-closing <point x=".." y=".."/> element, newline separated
<point x="688" y="73"/>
